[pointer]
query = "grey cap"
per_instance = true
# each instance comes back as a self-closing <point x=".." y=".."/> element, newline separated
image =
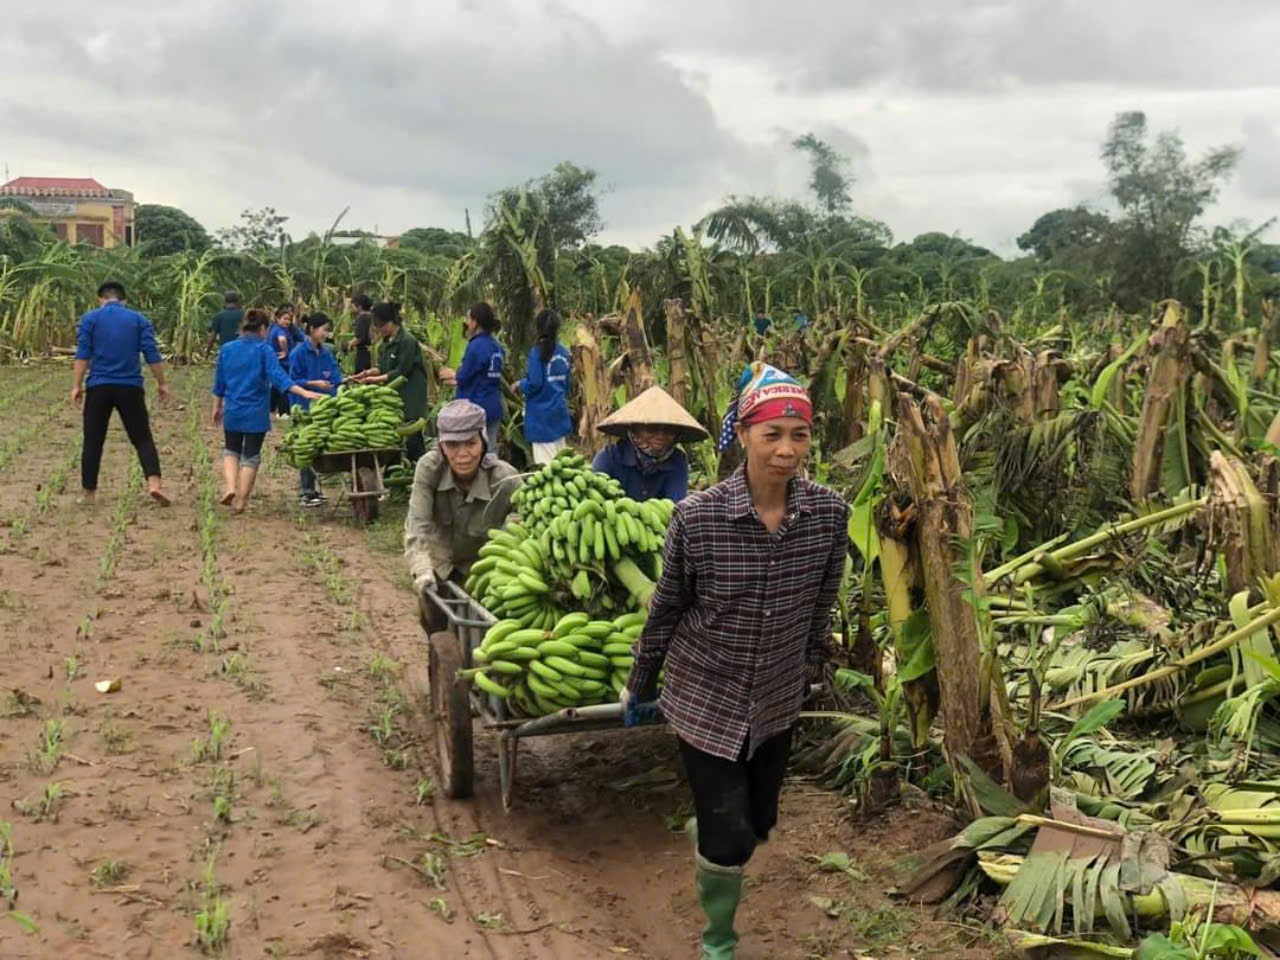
<point x="460" y="420"/>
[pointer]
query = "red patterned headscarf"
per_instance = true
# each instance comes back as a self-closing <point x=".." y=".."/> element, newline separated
<point x="765" y="393"/>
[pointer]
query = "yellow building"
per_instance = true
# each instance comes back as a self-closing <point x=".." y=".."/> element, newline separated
<point x="80" y="209"/>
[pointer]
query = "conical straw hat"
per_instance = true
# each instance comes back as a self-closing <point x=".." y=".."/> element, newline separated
<point x="654" y="408"/>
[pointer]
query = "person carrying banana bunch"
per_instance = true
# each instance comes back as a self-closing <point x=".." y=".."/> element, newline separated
<point x="645" y="458"/>
<point x="461" y="491"/>
<point x="741" y="617"/>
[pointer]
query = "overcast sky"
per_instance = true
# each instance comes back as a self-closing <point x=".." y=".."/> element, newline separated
<point x="969" y="117"/>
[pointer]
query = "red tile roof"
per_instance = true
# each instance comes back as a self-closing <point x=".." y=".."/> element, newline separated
<point x="54" y="187"/>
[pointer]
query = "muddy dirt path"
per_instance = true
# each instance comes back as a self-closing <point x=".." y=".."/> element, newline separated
<point x="263" y="777"/>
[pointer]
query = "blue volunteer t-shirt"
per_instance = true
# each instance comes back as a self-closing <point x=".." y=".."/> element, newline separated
<point x="111" y="338"/>
<point x="480" y="375"/>
<point x="312" y="363"/>
<point x="291" y="339"/>
<point x="247" y="370"/>
<point x="546" y="392"/>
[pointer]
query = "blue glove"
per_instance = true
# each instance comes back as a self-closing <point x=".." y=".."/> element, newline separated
<point x="636" y="712"/>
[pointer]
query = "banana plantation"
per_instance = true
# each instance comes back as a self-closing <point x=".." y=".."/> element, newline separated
<point x="1061" y="604"/>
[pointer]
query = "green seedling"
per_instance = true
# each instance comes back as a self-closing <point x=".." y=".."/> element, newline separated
<point x="440" y="905"/>
<point x="384" y="728"/>
<point x="108" y="873"/>
<point x="396" y="758"/>
<point x="433" y="868"/>
<point x="50" y="747"/>
<point x="223" y="793"/>
<point x="49" y="802"/>
<point x="213" y="922"/>
<point x="424" y="791"/>
<point x="382" y="668"/>
<point x="211" y="748"/>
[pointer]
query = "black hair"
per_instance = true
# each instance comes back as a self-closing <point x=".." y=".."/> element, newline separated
<point x="317" y="320"/>
<point x="386" y="312"/>
<point x="231" y="298"/>
<point x="255" y="319"/>
<point x="111" y="290"/>
<point x="484" y="317"/>
<point x="547" y="327"/>
<point x="362" y="301"/>
<point x="285" y="308"/>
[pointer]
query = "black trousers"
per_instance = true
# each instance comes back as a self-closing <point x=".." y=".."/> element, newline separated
<point x="131" y="402"/>
<point x="736" y="800"/>
<point x="414" y="447"/>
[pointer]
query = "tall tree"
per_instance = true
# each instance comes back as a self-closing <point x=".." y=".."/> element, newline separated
<point x="754" y="225"/>
<point x="1064" y="232"/>
<point x="1160" y="194"/>
<point x="527" y="228"/>
<point x="827" y="179"/>
<point x="164" y="230"/>
<point x="259" y="231"/>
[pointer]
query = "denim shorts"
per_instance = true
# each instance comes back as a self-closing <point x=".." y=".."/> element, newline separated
<point x="245" y="446"/>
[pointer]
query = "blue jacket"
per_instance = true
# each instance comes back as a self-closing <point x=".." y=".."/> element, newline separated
<point x="669" y="479"/>
<point x="110" y="338"/>
<point x="292" y="336"/>
<point x="247" y="370"/>
<point x="546" y="393"/>
<point x="480" y="375"/>
<point x="307" y="363"/>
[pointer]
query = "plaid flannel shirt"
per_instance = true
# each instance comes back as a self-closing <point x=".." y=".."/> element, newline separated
<point x="742" y="616"/>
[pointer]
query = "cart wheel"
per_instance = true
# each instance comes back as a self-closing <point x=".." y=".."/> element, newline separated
<point x="451" y="715"/>
<point x="366" y="508"/>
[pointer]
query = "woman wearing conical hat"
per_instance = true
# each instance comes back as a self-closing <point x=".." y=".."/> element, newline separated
<point x="644" y="458"/>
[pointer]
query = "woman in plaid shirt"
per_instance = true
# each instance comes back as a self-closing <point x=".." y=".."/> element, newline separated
<point x="741" y="619"/>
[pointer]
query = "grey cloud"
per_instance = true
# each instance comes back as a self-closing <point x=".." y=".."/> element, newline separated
<point x="974" y="116"/>
<point x="986" y="45"/>
<point x="458" y="112"/>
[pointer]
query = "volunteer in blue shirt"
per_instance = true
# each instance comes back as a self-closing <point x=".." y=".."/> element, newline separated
<point x="545" y="389"/>
<point x="311" y="365"/>
<point x="479" y="376"/>
<point x="248" y="370"/>
<point x="644" y="459"/>
<point x="283" y="335"/>
<point x="108" y="343"/>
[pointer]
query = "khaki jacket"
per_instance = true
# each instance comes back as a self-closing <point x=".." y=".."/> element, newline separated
<point x="445" y="527"/>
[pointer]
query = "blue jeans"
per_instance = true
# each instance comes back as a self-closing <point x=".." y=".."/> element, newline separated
<point x="307" y="477"/>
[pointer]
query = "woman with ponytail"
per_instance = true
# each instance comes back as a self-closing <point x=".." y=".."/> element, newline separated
<point x="545" y="389"/>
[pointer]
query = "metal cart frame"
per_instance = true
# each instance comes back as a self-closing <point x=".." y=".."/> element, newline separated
<point x="364" y="468"/>
<point x="458" y="625"/>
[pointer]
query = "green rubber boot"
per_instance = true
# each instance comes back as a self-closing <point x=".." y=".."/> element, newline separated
<point x="719" y="890"/>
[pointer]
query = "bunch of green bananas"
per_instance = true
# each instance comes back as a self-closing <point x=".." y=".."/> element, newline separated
<point x="398" y="479"/>
<point x="561" y="485"/>
<point x="358" y="418"/>
<point x="577" y="662"/>
<point x="510" y="578"/>
<point x="578" y="545"/>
